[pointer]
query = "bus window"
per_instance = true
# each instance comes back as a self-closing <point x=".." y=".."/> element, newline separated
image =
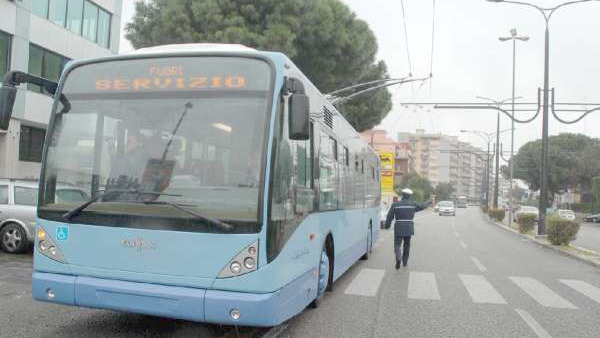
<point x="327" y="175"/>
<point x="303" y="162"/>
<point x="334" y="150"/>
<point x="346" y="157"/>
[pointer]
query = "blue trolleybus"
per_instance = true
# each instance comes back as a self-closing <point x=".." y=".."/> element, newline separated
<point x="220" y="186"/>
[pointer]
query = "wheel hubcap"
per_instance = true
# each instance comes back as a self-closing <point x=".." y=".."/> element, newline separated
<point x="323" y="273"/>
<point x="12" y="239"/>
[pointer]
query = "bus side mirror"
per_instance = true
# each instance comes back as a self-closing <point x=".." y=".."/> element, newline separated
<point x="8" y="93"/>
<point x="299" y="119"/>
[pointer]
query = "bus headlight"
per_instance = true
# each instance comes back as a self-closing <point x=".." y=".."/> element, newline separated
<point x="244" y="262"/>
<point x="46" y="246"/>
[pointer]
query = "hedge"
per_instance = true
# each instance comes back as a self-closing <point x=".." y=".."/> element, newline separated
<point x="526" y="222"/>
<point x="497" y="214"/>
<point x="561" y="231"/>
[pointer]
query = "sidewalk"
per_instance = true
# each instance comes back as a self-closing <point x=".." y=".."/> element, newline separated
<point x="587" y="256"/>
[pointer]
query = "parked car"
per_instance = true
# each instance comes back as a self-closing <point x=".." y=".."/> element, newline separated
<point x="566" y="214"/>
<point x="446" y="208"/>
<point x="594" y="218"/>
<point x="526" y="210"/>
<point x="18" y="201"/>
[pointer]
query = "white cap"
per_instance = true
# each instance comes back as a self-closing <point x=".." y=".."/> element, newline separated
<point x="407" y="191"/>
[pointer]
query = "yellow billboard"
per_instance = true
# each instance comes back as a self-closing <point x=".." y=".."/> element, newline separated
<point x="387" y="172"/>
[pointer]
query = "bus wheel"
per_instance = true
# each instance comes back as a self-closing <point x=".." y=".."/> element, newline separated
<point x="323" y="280"/>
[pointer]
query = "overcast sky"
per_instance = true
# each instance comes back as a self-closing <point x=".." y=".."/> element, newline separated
<point x="469" y="61"/>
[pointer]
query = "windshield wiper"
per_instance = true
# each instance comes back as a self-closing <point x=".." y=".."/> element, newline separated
<point x="222" y="225"/>
<point x="109" y="193"/>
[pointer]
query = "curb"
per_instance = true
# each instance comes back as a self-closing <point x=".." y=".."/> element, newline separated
<point x="589" y="261"/>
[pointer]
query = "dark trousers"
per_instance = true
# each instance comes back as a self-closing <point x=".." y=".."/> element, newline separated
<point x="399" y="241"/>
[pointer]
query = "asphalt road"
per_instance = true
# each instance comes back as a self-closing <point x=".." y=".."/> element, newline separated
<point x="588" y="236"/>
<point x="466" y="278"/>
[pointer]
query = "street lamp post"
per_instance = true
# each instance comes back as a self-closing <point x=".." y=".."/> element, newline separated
<point x="514" y="38"/>
<point x="497" y="145"/>
<point x="547" y="14"/>
<point x="488" y="138"/>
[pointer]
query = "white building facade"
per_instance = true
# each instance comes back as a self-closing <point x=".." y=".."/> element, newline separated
<point x="443" y="158"/>
<point x="39" y="37"/>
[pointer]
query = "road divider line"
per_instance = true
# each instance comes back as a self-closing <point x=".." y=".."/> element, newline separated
<point x="463" y="244"/>
<point x="533" y="324"/>
<point x="541" y="293"/>
<point x="422" y="285"/>
<point x="480" y="290"/>
<point x="366" y="282"/>
<point x="478" y="264"/>
<point x="584" y="288"/>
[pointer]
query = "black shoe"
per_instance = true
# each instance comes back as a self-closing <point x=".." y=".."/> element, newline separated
<point x="397" y="265"/>
<point x="404" y="264"/>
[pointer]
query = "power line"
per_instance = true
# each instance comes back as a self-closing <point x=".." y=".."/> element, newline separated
<point x="432" y="41"/>
<point x="406" y="39"/>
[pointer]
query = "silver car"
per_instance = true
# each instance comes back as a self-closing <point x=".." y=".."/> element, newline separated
<point x="446" y="208"/>
<point x="18" y="201"/>
<point x="526" y="210"/>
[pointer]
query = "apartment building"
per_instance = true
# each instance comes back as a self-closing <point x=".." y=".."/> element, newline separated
<point x="40" y="37"/>
<point x="443" y="158"/>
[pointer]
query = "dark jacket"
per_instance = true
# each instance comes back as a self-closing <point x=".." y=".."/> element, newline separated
<point x="404" y="212"/>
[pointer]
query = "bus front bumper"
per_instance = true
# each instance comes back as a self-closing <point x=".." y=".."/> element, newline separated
<point x="193" y="304"/>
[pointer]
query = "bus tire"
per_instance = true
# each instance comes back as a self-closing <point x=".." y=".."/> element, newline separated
<point x="323" y="281"/>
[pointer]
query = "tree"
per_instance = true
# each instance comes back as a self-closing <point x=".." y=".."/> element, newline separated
<point x="323" y="38"/>
<point x="444" y="191"/>
<point x="421" y="187"/>
<point x="573" y="160"/>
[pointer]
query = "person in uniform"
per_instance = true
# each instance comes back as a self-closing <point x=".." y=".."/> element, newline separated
<point x="403" y="212"/>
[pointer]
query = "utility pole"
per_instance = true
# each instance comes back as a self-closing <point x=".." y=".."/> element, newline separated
<point x="498" y="104"/>
<point x="547" y="14"/>
<point x="514" y="38"/>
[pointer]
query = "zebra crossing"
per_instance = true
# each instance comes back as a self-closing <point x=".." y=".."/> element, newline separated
<point x="424" y="286"/>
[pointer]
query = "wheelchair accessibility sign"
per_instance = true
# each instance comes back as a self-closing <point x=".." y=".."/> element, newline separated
<point x="62" y="233"/>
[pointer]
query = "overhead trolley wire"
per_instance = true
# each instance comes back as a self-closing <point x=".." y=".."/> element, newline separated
<point x="432" y="42"/>
<point x="408" y="57"/>
<point x="406" y="38"/>
<point x="431" y="60"/>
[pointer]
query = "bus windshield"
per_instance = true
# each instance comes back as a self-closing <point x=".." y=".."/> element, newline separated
<point x="184" y="130"/>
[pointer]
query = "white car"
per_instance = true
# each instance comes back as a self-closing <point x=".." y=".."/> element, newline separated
<point x="566" y="214"/>
<point x="526" y="210"/>
<point x="446" y="208"/>
<point x="18" y="209"/>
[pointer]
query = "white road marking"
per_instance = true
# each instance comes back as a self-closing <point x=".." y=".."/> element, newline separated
<point x="456" y="234"/>
<point x="480" y="290"/>
<point x="422" y="285"/>
<point x="541" y="293"/>
<point x="533" y="324"/>
<point x="479" y="265"/>
<point x="366" y="283"/>
<point x="586" y="289"/>
<point x="463" y="244"/>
